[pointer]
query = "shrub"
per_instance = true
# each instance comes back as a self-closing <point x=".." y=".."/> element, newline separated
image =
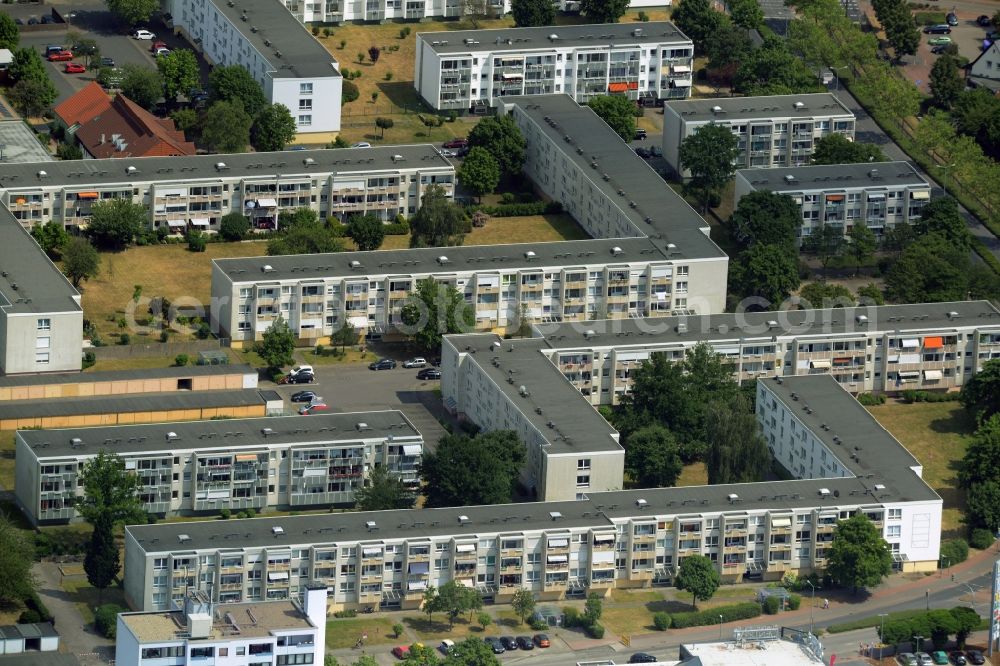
<point x="955" y="551"/>
<point x="204" y="331"/>
<point x="980" y="538"/>
<point x="520" y="209"/>
<point x="315" y="30"/>
<point x="29" y="617"/>
<point x="346" y="613"/>
<point x="251" y="512"/>
<point x="34" y="603"/>
<point x="537" y="624"/>
<point x="181" y="360"/>
<point x="327" y="32"/>
<point x="397" y="629"/>
<point x="225" y="514"/>
<point x="349" y="93"/>
<point x="794" y="601"/>
<point x="644" y="17"/>
<point x="595" y="630"/>
<point x="870" y="399"/>
<point x="89" y="359"/>
<point x="401" y="228"/>
<point x="571" y="617"/>
<point x="772" y="605"/>
<point x="730" y="613"/>
<point x="661" y="621"/>
<point x="124" y="339"/>
<point x="106" y="619"/>
<point x="164" y="335"/>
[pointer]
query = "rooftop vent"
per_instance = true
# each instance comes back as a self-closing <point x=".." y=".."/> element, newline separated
<point x="76" y="442"/>
<point x="529" y="255"/>
<point x="442" y="259"/>
<point x="733" y="497"/>
<point x="397" y="158"/>
<point x="641" y="503"/>
<point x="616" y="251"/>
<point x="555" y="515"/>
<point x="824" y="492"/>
<point x="952" y="315"/>
<point x="370" y="524"/>
<point x="267" y="268"/>
<point x="171" y="436"/>
<point x="42" y="174"/>
<point x="589" y="333"/>
<point x="772" y="324"/>
<point x="861" y="319"/>
<point x="131" y="170"/>
<point x="309" y="161"/>
<point x="463" y="519"/>
<point x="553" y="36"/>
<point x="716" y="109"/>
<point x="789" y="178"/>
<point x="355" y="264"/>
<point x="266" y="431"/>
<point x="361" y="426"/>
<point x="800" y="105"/>
<point x="277" y="529"/>
<point x="879" y="486"/>
<point x="681" y="327"/>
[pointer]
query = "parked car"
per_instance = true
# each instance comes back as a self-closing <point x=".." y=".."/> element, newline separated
<point x="157" y="45"/>
<point x="46" y="19"/>
<point x="362" y="144"/>
<point x="494" y="644"/>
<point x="541" y="640"/>
<point x="161" y="52"/>
<point x="57" y="56"/>
<point x="939" y="657"/>
<point x="415" y="362"/>
<point x="143" y="34"/>
<point x="643" y="153"/>
<point x="303" y="396"/>
<point x="447" y="153"/>
<point x="74" y="68"/>
<point x="33" y="20"/>
<point x="642" y="658"/>
<point x="107" y="62"/>
<point x="640" y="134"/>
<point x="301" y="368"/>
<point x="429" y="373"/>
<point x="446" y="646"/>
<point x="456" y="143"/>
<point x="525" y="643"/>
<point x="939" y="29"/>
<point x="924" y="659"/>
<point x="938" y="50"/>
<point x="934" y="41"/>
<point x="951" y="18"/>
<point x="53" y="48"/>
<point x="907" y="659"/>
<point x="975" y="657"/>
<point x="508" y="642"/>
<point x="401" y="651"/>
<point x="958" y="658"/>
<point x="984" y="21"/>
<point x="382" y="364"/>
<point x="314" y="407"/>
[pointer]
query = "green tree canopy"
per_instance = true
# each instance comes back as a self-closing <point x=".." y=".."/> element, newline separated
<point x="747" y="14"/>
<point x="102" y="560"/>
<point x="142" y="85"/>
<point x="824" y="243"/>
<point x="941" y="216"/>
<point x="110" y="492"/>
<point x="727" y="44"/>
<point x="736" y="452"/>
<point x="838" y="149"/>
<point x="930" y="270"/>
<point x="502" y="139"/>
<point x="51" y="237"/>
<point x="31" y="97"/>
<point x="278" y="344"/>
<point x="480" y="172"/>
<point x="302" y="233"/>
<point x="771" y="69"/>
<point x="966" y="621"/>
<point x="132" y="12"/>
<point x="114" y="223"/>
<point x="454" y="599"/>
<point x="698" y="575"/>
<point x="383" y="491"/>
<point x="432" y="311"/>
<point x="234" y="226"/>
<point x="945" y="82"/>
<point x="225" y="127"/>
<point x="593" y="608"/>
<point x="697" y="20"/>
<point x="978" y="472"/>
<point x="708" y="154"/>
<point x="466" y="470"/>
<point x="273" y="129"/>
<point x="825" y="295"/>
<point x="858" y="556"/>
<point x="900" y="28"/>
<point x="652" y="457"/>
<point x="532" y="13"/>
<point x="17" y="553"/>
<point x="80" y="260"/>
<point x="471" y="652"/>
<point x="235" y="84"/>
<point x="603" y="11"/>
<point x="10" y="34"/>
<point x="617" y="111"/>
<point x="977" y="113"/>
<point x="27" y="64"/>
<point x="862" y="243"/>
<point x="179" y="73"/>
<point x="523" y="603"/>
<point x="439" y="221"/>
<point x="769" y="272"/>
<point x="367" y="231"/>
<point x="981" y="392"/>
<point x="764" y="217"/>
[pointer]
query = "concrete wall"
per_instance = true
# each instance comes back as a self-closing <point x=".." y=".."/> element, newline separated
<point x="153" y="416"/>
<point x="22" y="341"/>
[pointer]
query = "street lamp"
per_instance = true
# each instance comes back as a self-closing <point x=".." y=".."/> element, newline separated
<point x="812" y="608"/>
<point x="945" y="167"/>
<point x="881" y="635"/>
<point x="720" y="628"/>
<point x="836" y="78"/>
<point x="972" y="594"/>
<point x="920" y="642"/>
<point x="927" y="598"/>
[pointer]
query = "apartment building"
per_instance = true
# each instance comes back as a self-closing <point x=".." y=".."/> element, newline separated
<point x="472" y="70"/>
<point x="604" y="540"/>
<point x="883" y="194"/>
<point x="650" y="256"/>
<point x="195" y="192"/>
<point x="292" y="67"/>
<point x="773" y="131"/>
<point x="41" y="319"/>
<point x="202" y="632"/>
<point x="206" y="466"/>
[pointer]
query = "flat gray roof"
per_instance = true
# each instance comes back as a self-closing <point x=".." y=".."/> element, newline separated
<point x="277" y="31"/>
<point x="815" y="105"/>
<point x="119" y="375"/>
<point x="755" y="325"/>
<point x="36" y="658"/>
<point x="599" y="35"/>
<point x="86" y="174"/>
<point x="559" y="412"/>
<point x="14" y="409"/>
<point x="243" y="433"/>
<point x="659" y="212"/>
<point x="834" y="176"/>
<point x="30" y="282"/>
<point x="20" y="144"/>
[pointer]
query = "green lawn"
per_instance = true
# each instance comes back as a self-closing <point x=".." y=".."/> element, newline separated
<point x="87" y="598"/>
<point x="7" y="459"/>
<point x="345" y="633"/>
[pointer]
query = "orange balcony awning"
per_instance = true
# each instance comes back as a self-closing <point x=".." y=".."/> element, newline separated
<point x="617" y="87"/>
<point x="86" y="195"/>
<point x="933" y="342"/>
<point x="835" y="197"/>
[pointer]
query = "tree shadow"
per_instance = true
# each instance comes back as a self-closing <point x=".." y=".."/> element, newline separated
<point x="959" y="422"/>
<point x="402" y="94"/>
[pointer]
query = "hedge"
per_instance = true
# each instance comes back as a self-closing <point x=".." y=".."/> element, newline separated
<point x="398" y="229"/>
<point x="980" y="538"/>
<point x="520" y="209"/>
<point x="954" y="551"/>
<point x="661" y="620"/>
<point x="106" y="620"/>
<point x="912" y="395"/>
<point x="34" y="603"/>
<point x="595" y="630"/>
<point x="730" y="613"/>
<point x="870" y="399"/>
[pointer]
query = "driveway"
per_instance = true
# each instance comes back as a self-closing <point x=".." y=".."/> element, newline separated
<point x="74" y="636"/>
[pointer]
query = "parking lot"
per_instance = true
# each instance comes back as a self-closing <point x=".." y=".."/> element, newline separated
<point x="967" y="36"/>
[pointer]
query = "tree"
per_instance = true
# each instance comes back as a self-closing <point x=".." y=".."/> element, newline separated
<point x="698" y="576"/>
<point x="825" y="295"/>
<point x="345" y="335"/>
<point x="186" y="120"/>
<point x="523" y="603"/>
<point x="942" y="624"/>
<point x="432" y="311"/>
<point x="862" y="245"/>
<point x="945" y="82"/>
<point x="466" y="470"/>
<point x="747" y="14"/>
<point x="484" y="620"/>
<point x="941" y="216"/>
<point x="871" y="294"/>
<point x="737" y="452"/>
<point x="966" y="621"/>
<point x="769" y="272"/>
<point x="86" y="47"/>
<point x="766" y="218"/>
<point x="708" y="154"/>
<point x="80" y="260"/>
<point x="305" y="237"/>
<point x="697" y="20"/>
<point x="102" y="560"/>
<point x="454" y="599"/>
<point x="114" y="223"/>
<point x="652" y="457"/>
<point x="726" y="45"/>
<point x="471" y="652"/>
<point x="502" y="139"/>
<point x="858" y="555"/>
<point x="930" y="270"/>
<point x="235" y="84"/>
<point x="901" y="30"/>
<point x="383" y="491"/>
<point x="771" y="69"/>
<point x="617" y="111"/>
<point x="10" y="34"/>
<point x="110" y="492"/>
<point x="27" y="64"/>
<point x="593" y="608"/>
<point x="981" y="392"/>
<point x="17" y="552"/>
<point x="225" y="128"/>
<point x="142" y="85"/>
<point x="373" y="53"/>
<point x="438" y="222"/>
<point x="603" y="11"/>
<point x="29" y="97"/>
<point x="474" y="10"/>
<point x="824" y="243"/>
<point x="838" y="149"/>
<point x="977" y="474"/>
<point x="234" y="226"/>
<point x="132" y="12"/>
<point x="51" y="237"/>
<point x="430" y="605"/>
<point x="897" y="238"/>
<point x="383" y="124"/>
<point x="367" y="231"/>
<point x="479" y="173"/>
<point x="179" y="73"/>
<point x="532" y="13"/>
<point x="273" y="129"/>
<point x="277" y="345"/>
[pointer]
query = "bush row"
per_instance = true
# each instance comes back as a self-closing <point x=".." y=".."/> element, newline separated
<point x="870" y="399"/>
<point x="911" y="395"/>
<point x="520" y="209"/>
<point x="730" y="613"/>
<point x="954" y="551"/>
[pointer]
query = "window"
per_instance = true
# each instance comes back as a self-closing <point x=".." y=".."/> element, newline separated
<point x="223" y="652"/>
<point x="44" y="324"/>
<point x="895" y="514"/>
<point x="893" y="531"/>
<point x="305" y="120"/>
<point x="582" y="480"/>
<point x="303" y="658"/>
<point x="305" y="89"/>
<point x="305" y="105"/>
<point x="42" y="358"/>
<point x="202" y="652"/>
<point x="42" y="343"/>
<point x="583" y="464"/>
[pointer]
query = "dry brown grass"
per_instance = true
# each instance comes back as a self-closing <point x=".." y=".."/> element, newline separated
<point x="695" y="474"/>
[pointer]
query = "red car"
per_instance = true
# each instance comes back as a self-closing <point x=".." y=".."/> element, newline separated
<point x="74" y="68"/>
<point x="401" y="651"/>
<point x="313" y="408"/>
<point x="156" y="46"/>
<point x="60" y="55"/>
<point x="456" y="143"/>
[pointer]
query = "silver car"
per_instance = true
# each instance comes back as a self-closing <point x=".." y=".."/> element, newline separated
<point x="907" y="659"/>
<point x="924" y="659"/>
